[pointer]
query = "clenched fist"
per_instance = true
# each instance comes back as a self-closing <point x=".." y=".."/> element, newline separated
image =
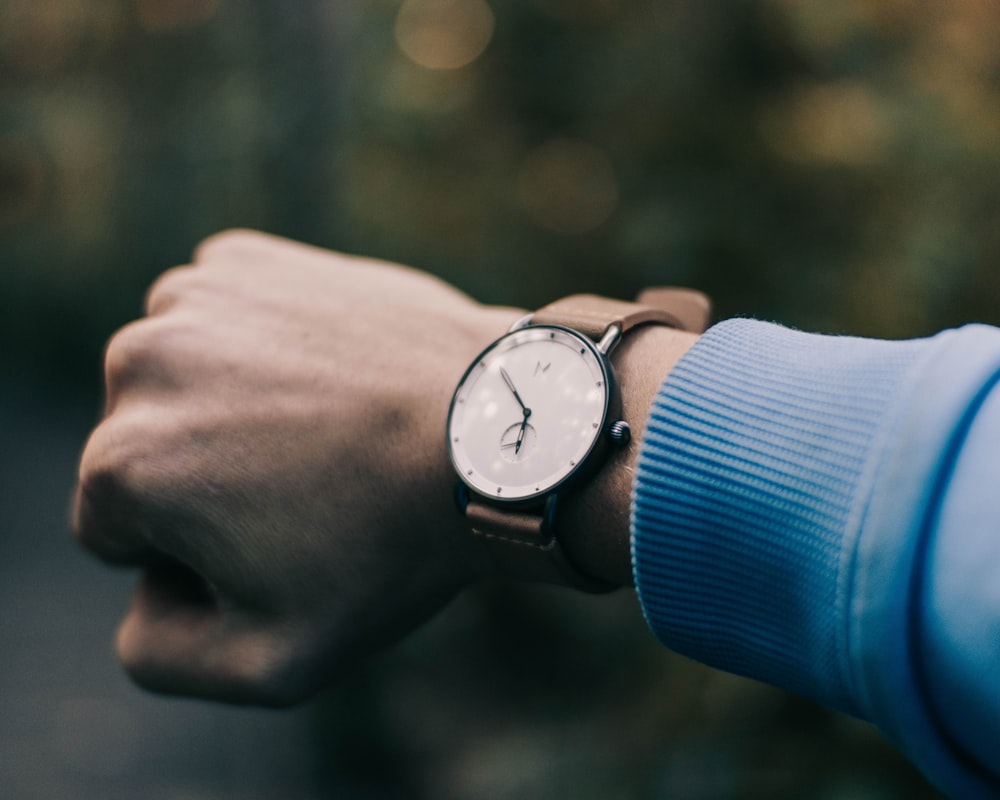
<point x="272" y="457"/>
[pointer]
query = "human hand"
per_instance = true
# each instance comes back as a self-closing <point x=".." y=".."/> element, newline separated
<point x="272" y="457"/>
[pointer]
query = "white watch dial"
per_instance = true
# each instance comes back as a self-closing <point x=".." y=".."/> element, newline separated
<point x="528" y="412"/>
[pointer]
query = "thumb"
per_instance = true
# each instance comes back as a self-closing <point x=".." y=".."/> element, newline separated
<point x="178" y="637"/>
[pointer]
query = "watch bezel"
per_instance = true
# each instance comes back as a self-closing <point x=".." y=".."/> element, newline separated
<point x="587" y="463"/>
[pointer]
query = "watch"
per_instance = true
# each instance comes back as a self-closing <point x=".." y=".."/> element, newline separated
<point x="534" y="416"/>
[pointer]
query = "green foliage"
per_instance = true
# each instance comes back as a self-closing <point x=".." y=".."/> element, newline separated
<point x="828" y="165"/>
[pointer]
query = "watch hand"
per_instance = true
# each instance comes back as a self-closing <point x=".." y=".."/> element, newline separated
<point x="524" y="409"/>
<point x="520" y="433"/>
<point x="510" y="385"/>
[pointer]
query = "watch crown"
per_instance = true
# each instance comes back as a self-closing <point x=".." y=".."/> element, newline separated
<point x="620" y="432"/>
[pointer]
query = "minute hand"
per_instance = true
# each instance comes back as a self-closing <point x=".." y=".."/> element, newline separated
<point x="510" y="385"/>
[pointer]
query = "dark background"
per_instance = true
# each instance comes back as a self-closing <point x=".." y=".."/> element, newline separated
<point x="829" y="165"/>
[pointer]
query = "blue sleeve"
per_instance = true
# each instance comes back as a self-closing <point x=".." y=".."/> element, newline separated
<point x="823" y="513"/>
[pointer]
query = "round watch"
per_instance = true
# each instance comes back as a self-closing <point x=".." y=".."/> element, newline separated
<point x="533" y="416"/>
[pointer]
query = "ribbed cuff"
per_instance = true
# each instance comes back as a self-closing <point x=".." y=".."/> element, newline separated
<point x="746" y="499"/>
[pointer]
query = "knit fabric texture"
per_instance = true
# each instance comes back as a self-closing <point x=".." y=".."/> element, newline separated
<point x="749" y="494"/>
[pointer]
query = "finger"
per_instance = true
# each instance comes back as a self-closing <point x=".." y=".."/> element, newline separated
<point x="103" y="514"/>
<point x="179" y="638"/>
<point x="120" y="509"/>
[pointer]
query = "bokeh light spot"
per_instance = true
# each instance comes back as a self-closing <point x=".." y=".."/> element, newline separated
<point x="444" y="34"/>
<point x="836" y="123"/>
<point x="568" y="186"/>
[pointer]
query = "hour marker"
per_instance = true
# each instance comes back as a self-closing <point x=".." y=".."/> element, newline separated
<point x="595" y="425"/>
<point x="469" y="472"/>
<point x="455" y="439"/>
<point x="552" y="335"/>
<point x="583" y="349"/>
<point x="499" y="489"/>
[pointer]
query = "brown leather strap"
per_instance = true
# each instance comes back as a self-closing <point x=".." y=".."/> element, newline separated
<point x="521" y="545"/>
<point x="593" y="315"/>
<point x="692" y="308"/>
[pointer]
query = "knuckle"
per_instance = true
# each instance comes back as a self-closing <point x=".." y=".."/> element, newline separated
<point x="136" y="356"/>
<point x="171" y="288"/>
<point x="127" y="349"/>
<point x="100" y="468"/>
<point x="98" y="480"/>
<point x="227" y="244"/>
<point x="149" y="354"/>
<point x="105" y="509"/>
<point x="115" y="468"/>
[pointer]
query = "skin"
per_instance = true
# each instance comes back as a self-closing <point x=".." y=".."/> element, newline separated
<point x="272" y="460"/>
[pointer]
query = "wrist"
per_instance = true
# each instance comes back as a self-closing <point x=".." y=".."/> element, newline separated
<point x="595" y="519"/>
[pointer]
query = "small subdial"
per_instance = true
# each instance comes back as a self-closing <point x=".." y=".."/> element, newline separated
<point x="517" y="444"/>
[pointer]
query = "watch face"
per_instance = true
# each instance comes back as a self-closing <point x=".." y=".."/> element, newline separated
<point x="528" y="412"/>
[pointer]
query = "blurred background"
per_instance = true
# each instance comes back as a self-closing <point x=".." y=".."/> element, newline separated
<point x="832" y="166"/>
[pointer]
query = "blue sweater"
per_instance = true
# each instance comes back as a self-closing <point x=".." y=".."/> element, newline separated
<point x="823" y="513"/>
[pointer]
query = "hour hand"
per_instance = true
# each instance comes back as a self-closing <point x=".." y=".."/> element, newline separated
<point x="520" y="433"/>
